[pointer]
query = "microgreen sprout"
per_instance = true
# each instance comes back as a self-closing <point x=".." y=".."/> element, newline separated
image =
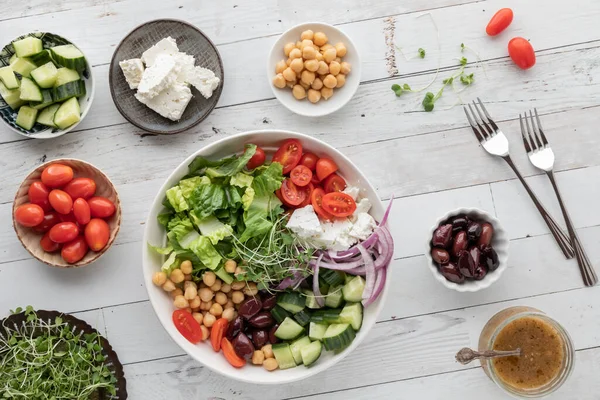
<point x="421" y="52"/>
<point x="466" y="79"/>
<point x="463" y="61"/>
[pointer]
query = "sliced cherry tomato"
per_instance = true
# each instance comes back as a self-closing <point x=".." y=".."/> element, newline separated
<point x="309" y="160"/>
<point x="60" y="201"/>
<point x="187" y="326"/>
<point x="288" y="155"/>
<point x="81" y="187"/>
<point x="81" y="211"/>
<point x="316" y="200"/>
<point x="47" y="244"/>
<point x="57" y="175"/>
<point x="64" y="232"/>
<point x="257" y="159"/>
<point x="301" y="175"/>
<point x="74" y="250"/>
<point x="315" y="180"/>
<point x="339" y="204"/>
<point x="50" y="219"/>
<point x="230" y="354"/>
<point x="334" y="183"/>
<point x="325" y="167"/>
<point x="97" y="234"/>
<point x="308" y="190"/>
<point x="216" y="333"/>
<point x="499" y="22"/>
<point x="101" y="207"/>
<point x="521" y="52"/>
<point x="291" y="193"/>
<point x="29" y="215"/>
<point x="38" y="194"/>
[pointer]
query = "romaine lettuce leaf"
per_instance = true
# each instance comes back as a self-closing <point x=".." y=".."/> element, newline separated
<point x="188" y="185"/>
<point x="241" y="180"/>
<point x="164" y="218"/>
<point x="247" y="198"/>
<point x="206" y="252"/>
<point x="268" y="181"/>
<point x="171" y="263"/>
<point x="214" y="229"/>
<point x="232" y="165"/>
<point x="260" y="216"/>
<point x="176" y="199"/>
<point x="206" y="199"/>
<point x="161" y="250"/>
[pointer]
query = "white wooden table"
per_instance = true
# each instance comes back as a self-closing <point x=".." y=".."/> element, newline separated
<point x="429" y="162"/>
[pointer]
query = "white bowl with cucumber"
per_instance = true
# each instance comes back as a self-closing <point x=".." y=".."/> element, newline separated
<point x="46" y="85"/>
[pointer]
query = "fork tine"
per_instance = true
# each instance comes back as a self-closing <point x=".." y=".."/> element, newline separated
<point x="477" y="134"/>
<point x="482" y="131"/>
<point x="488" y="129"/>
<point x="533" y="144"/>
<point x="490" y="120"/>
<point x="525" y="142"/>
<point x="539" y="124"/>
<point x="535" y="131"/>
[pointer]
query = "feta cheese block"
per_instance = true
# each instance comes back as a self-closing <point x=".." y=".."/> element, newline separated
<point x="363" y="226"/>
<point x="304" y="222"/>
<point x="352" y="191"/>
<point x="133" y="70"/>
<point x="160" y="76"/>
<point x="204" y="80"/>
<point x="171" y="102"/>
<point x="166" y="46"/>
<point x="186" y="63"/>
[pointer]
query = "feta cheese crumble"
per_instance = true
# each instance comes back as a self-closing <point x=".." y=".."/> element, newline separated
<point x="170" y="103"/>
<point x="160" y="76"/>
<point x="166" y="46"/>
<point x="133" y="70"/>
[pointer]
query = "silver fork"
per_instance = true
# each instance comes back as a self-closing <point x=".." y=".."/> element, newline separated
<point x="541" y="155"/>
<point x="494" y="142"/>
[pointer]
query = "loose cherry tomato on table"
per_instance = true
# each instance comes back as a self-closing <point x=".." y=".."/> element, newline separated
<point x="325" y="167"/>
<point x="47" y="244"/>
<point x="292" y="194"/>
<point x="230" y="354"/>
<point x="38" y="194"/>
<point x="301" y="175"/>
<point x="309" y="160"/>
<point x="57" y="175"/>
<point x="334" y="183"/>
<point x="339" y="204"/>
<point x="521" y="52"/>
<point x="97" y="234"/>
<point x="81" y="211"/>
<point x="101" y="207"/>
<point x="50" y="219"/>
<point x="29" y="215"/>
<point x="187" y="326"/>
<point x="60" y="201"/>
<point x="63" y="232"/>
<point x="316" y="200"/>
<point x="74" y="250"/>
<point x="499" y="22"/>
<point x="288" y="155"/>
<point x="257" y="159"/>
<point x="216" y="333"/>
<point x="81" y="187"/>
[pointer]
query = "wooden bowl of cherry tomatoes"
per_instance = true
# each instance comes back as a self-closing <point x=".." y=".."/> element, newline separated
<point x="66" y="213"/>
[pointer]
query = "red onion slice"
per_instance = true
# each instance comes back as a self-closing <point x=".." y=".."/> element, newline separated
<point x="379" y="284"/>
<point x="370" y="273"/>
<point x="317" y="292"/>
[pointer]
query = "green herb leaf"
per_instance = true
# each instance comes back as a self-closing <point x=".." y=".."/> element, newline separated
<point x="421" y="52"/>
<point x="463" y="61"/>
<point x="397" y="89"/>
<point x="448" y="81"/>
<point x="462" y="47"/>
<point x="428" y="102"/>
<point x="406" y="87"/>
<point x="466" y="79"/>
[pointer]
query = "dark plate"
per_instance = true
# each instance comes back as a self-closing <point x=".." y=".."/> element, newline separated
<point x="189" y="40"/>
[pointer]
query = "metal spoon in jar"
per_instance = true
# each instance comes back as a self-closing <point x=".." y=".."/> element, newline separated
<point x="466" y="355"/>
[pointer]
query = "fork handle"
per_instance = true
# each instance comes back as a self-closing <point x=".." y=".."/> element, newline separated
<point x="561" y="238"/>
<point x="585" y="266"/>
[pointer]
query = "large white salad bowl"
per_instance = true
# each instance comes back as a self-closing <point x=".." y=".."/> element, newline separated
<point x="155" y="234"/>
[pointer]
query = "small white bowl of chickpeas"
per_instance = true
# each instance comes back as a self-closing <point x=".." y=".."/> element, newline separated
<point x="313" y="69"/>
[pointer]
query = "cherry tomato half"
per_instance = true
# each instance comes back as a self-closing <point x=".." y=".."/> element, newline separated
<point x="57" y="175"/>
<point x="325" y="167"/>
<point x="64" y="232"/>
<point x="292" y="194"/>
<point x="230" y="354"/>
<point x="47" y="244"/>
<point x="81" y="187"/>
<point x="499" y="22"/>
<point x="334" y="183"/>
<point x="101" y="207"/>
<point x="339" y="204"/>
<point x="60" y="201"/>
<point x="316" y="199"/>
<point x="81" y="211"/>
<point x="29" y="215"/>
<point x="96" y="234"/>
<point x="315" y="181"/>
<point x="50" y="219"/>
<point x="187" y="326"/>
<point x="521" y="52"/>
<point x="257" y="159"/>
<point x="309" y="160"/>
<point x="288" y="155"/>
<point x="75" y="250"/>
<point x="38" y="194"/>
<point x="308" y="189"/>
<point x="216" y="333"/>
<point x="301" y="175"/>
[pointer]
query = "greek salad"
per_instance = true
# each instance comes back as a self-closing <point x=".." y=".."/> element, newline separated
<point x="272" y="260"/>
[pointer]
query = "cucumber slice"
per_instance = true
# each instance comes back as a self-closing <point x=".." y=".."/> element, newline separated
<point x="311" y="301"/>
<point x="288" y="330"/>
<point x="66" y="75"/>
<point x="331" y="277"/>
<point x="338" y="336"/>
<point x="316" y="331"/>
<point x="68" y="114"/>
<point x="26" y="117"/>
<point x="27" y="47"/>
<point x="22" y="66"/>
<point x="12" y="97"/>
<point x="296" y="346"/>
<point x="279" y="314"/>
<point x="45" y="76"/>
<point x="46" y="116"/>
<point x="68" y="90"/>
<point x="283" y="355"/>
<point x="224" y="275"/>
<point x="302" y="317"/>
<point x="41" y="58"/>
<point x="334" y="297"/>
<point x="352" y="314"/>
<point x="291" y="301"/>
<point x="69" y="56"/>
<point x="8" y="77"/>
<point x="311" y="353"/>
<point x="46" y="100"/>
<point x="30" y="91"/>
<point x="330" y="315"/>
<point x="353" y="290"/>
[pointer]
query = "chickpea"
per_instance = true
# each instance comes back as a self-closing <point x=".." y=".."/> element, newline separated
<point x="323" y="68"/>
<point x="298" y="77"/>
<point x="341" y="49"/>
<point x="225" y="288"/>
<point x="209" y="320"/>
<point x="345" y="68"/>
<point x="229" y="304"/>
<point x="341" y="80"/>
<point x="205" y="306"/>
<point x="230" y="266"/>
<point x="311" y="65"/>
<point x="216" y="309"/>
<point x="206" y="294"/>
<point x="299" y="44"/>
<point x="267" y="350"/>
<point x="169" y="286"/>
<point x="221" y="298"/>
<point x="337" y="59"/>
<point x="228" y="314"/>
<point x="237" y="297"/>
<point x="297" y="65"/>
<point x="258" y="357"/>
<point x="320" y="38"/>
<point x="330" y="81"/>
<point x="329" y="55"/>
<point x="198" y="317"/>
<point x="319" y="56"/>
<point x="181" y="302"/>
<point x="317" y="85"/>
<point x="195" y="303"/>
<point x="186" y="267"/>
<point x="304" y="85"/>
<point x="308" y="34"/>
<point x="159" y="278"/>
<point x="309" y="53"/>
<point x="175" y="293"/>
<point x="209" y="278"/>
<point x="187" y="277"/>
<point x="308" y="77"/>
<point x="326" y="92"/>
<point x="217" y="286"/>
<point x="187" y="284"/>
<point x="251" y="289"/>
<point x="237" y="285"/>
<point x="314" y="96"/>
<point x="205" y="332"/>
<point x="279" y="81"/>
<point x="190" y="293"/>
<point x="306" y="43"/>
<point x="240" y="270"/>
<point x="291" y="84"/>
<point x="296" y="53"/>
<point x="288" y="48"/>
<point x="270" y="364"/>
<point x="288" y="62"/>
<point x="326" y="47"/>
<point x="289" y="74"/>
<point x="177" y="276"/>
<point x="334" y="68"/>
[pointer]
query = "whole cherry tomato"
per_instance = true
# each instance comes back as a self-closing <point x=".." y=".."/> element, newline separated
<point x="499" y="22"/>
<point x="50" y="219"/>
<point x="81" y="211"/>
<point x="257" y="159"/>
<point x="81" y="187"/>
<point x="63" y="232"/>
<point x="29" y="215"/>
<point x="75" y="250"/>
<point x="47" y="244"/>
<point x="60" y="201"/>
<point x="309" y="160"/>
<point x="521" y="52"/>
<point x="38" y="194"/>
<point x="101" y="207"/>
<point x="96" y="234"/>
<point x="57" y="175"/>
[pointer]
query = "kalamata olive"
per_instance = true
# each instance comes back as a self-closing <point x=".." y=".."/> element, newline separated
<point x="452" y="273"/>
<point x="260" y="338"/>
<point x="264" y="319"/>
<point x="489" y="258"/>
<point x="487" y="231"/>
<point x="480" y="273"/>
<point x="250" y="307"/>
<point x="474" y="232"/>
<point x="459" y="223"/>
<point x="475" y="254"/>
<point x="243" y="346"/>
<point x="269" y="301"/>
<point x="234" y="328"/>
<point x="442" y="237"/>
<point x="460" y="243"/>
<point x="272" y="338"/>
<point x="466" y="266"/>
<point x="440" y="256"/>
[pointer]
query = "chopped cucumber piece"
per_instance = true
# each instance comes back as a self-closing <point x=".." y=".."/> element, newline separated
<point x="311" y="353"/>
<point x="12" y="97"/>
<point x="68" y="114"/>
<point x="316" y="331"/>
<point x="353" y="290"/>
<point x="283" y="355"/>
<point x="296" y="346"/>
<point x="22" y="66"/>
<point x="69" y="56"/>
<point x="221" y="273"/>
<point x="303" y="316"/>
<point x="338" y="336"/>
<point x="46" y="100"/>
<point x="27" y="47"/>
<point x="331" y="277"/>
<point x="352" y="314"/>
<point x="30" y="91"/>
<point x="46" y="116"/>
<point x="288" y="330"/>
<point x="45" y="76"/>
<point x="68" y="90"/>
<point x="279" y="314"/>
<point x="66" y="75"/>
<point x="8" y="77"/>
<point x="291" y="301"/>
<point x="330" y="315"/>
<point x="41" y="58"/>
<point x="26" y="117"/>
<point x="311" y="301"/>
<point x="334" y="297"/>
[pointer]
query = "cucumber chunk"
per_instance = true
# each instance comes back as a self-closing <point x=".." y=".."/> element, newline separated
<point x="30" y="91"/>
<point x="69" y="56"/>
<point x="68" y="90"/>
<point x="41" y="58"/>
<point x="221" y="273"/>
<point x="279" y="314"/>
<point x="353" y="290"/>
<point x="352" y="314"/>
<point x="338" y="336"/>
<point x="66" y="75"/>
<point x="46" y="100"/>
<point x="8" y="77"/>
<point x="316" y="331"/>
<point x="12" y="97"/>
<point x="26" y="117"/>
<point x="311" y="353"/>
<point x="45" y="76"/>
<point x="303" y="317"/>
<point x="296" y="346"/>
<point x="46" y="116"/>
<point x="331" y="277"/>
<point x="68" y="114"/>
<point x="334" y="297"/>
<point x="283" y="355"/>
<point x="22" y="66"/>
<point x="291" y="301"/>
<point x="330" y="315"/>
<point x="27" y="47"/>
<point x="288" y="330"/>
